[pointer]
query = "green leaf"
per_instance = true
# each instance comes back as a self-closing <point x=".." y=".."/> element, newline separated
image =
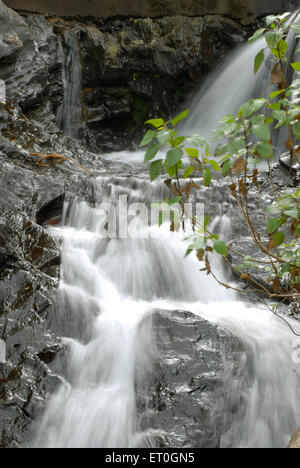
<point x="277" y="93"/>
<point x="157" y="123"/>
<point x="226" y="167"/>
<point x="293" y="213"/>
<point x="285" y="269"/>
<point x="174" y="156"/>
<point x="180" y="117"/>
<point x="175" y="200"/>
<point x="275" y="106"/>
<point x="151" y="152"/>
<point x="250" y="107"/>
<point x="189" y="250"/>
<point x="272" y="38"/>
<point x="277" y="239"/>
<point x="296" y="129"/>
<point x="163" y="136"/>
<point x="295" y="66"/>
<point x="281" y="50"/>
<point x="258" y="61"/>
<point x="265" y="150"/>
<point x="229" y="118"/>
<point x="148" y="137"/>
<point x="220" y="247"/>
<point x="215" y="165"/>
<point x="196" y="140"/>
<point x="172" y="171"/>
<point x="257" y="35"/>
<point x="270" y="19"/>
<point x="280" y="115"/>
<point x="207" y="177"/>
<point x="160" y="218"/>
<point x="192" y="152"/>
<point x="188" y="172"/>
<point x="206" y="221"/>
<point x="262" y="132"/>
<point x="177" y="141"/>
<point x="273" y="224"/>
<point x="155" y="169"/>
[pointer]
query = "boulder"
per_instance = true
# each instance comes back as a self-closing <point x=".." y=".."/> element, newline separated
<point x="186" y="381"/>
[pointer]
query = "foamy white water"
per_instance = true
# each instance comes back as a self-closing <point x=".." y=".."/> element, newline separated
<point x="226" y="89"/>
<point x="109" y="289"/>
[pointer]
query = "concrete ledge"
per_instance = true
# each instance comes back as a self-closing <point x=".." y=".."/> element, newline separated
<point x="240" y="9"/>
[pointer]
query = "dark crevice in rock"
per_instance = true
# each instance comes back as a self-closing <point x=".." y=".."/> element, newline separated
<point x="51" y="213"/>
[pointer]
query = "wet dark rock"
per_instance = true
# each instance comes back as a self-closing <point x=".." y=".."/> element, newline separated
<point x="51" y="213"/>
<point x="27" y="298"/>
<point x="186" y="381"/>
<point x="132" y="69"/>
<point x="31" y="55"/>
<point x="291" y="167"/>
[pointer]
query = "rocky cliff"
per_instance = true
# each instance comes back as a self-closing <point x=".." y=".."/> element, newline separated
<point x="118" y="72"/>
<point x="245" y="10"/>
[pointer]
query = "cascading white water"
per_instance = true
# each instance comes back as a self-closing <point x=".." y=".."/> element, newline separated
<point x="226" y="89"/>
<point x="110" y="288"/>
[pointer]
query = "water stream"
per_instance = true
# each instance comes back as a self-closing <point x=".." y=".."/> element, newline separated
<point x="110" y="288"/>
<point x="70" y="113"/>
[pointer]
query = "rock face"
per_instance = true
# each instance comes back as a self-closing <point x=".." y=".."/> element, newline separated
<point x="119" y="73"/>
<point x="242" y="9"/>
<point x="186" y="382"/>
<point x="135" y="69"/>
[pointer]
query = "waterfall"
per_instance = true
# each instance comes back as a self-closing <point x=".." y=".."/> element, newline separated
<point x="232" y="84"/>
<point x="226" y="89"/>
<point x="111" y="288"/>
<point x="70" y="113"/>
